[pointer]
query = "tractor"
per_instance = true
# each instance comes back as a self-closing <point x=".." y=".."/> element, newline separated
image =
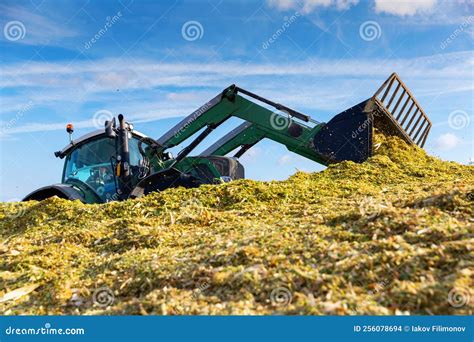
<point x="117" y="162"/>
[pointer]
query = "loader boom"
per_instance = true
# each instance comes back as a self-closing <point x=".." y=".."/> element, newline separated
<point x="348" y="136"/>
<point x="260" y="123"/>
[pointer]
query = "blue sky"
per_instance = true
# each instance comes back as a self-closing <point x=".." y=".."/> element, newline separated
<point x="156" y="62"/>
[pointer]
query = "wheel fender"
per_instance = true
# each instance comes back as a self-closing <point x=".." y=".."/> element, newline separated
<point x="61" y="190"/>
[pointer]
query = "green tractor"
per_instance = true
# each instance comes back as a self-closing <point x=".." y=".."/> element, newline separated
<point x="118" y="163"/>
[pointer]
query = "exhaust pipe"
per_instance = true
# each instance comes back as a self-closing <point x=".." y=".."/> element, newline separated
<point x="123" y="159"/>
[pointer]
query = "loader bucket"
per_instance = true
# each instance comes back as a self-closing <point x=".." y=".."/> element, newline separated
<point x="392" y="110"/>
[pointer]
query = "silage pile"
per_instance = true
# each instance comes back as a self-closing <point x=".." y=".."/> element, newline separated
<point x="393" y="235"/>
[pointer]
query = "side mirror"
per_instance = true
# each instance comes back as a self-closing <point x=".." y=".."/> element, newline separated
<point x="110" y="128"/>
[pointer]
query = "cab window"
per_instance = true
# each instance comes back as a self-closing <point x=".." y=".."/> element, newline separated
<point x="91" y="163"/>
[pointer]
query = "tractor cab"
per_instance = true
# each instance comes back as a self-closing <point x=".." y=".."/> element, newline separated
<point x="90" y="167"/>
<point x="92" y="162"/>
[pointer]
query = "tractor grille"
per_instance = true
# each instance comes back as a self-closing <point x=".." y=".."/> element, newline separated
<point x="398" y="103"/>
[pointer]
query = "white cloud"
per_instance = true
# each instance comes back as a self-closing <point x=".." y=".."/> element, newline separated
<point x="307" y="6"/>
<point x="412" y="12"/>
<point x="346" y="4"/>
<point x="282" y="5"/>
<point x="447" y="141"/>
<point x="109" y="74"/>
<point x="187" y="96"/>
<point x="70" y="88"/>
<point x="251" y="155"/>
<point x="38" y="30"/>
<point x="404" y="7"/>
<point x="134" y="113"/>
<point x="285" y="159"/>
<point x="291" y="158"/>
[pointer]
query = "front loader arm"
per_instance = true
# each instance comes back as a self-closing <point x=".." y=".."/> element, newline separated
<point x="347" y="136"/>
<point x="246" y="135"/>
<point x="260" y="123"/>
<point x="213" y="112"/>
<point x="295" y="135"/>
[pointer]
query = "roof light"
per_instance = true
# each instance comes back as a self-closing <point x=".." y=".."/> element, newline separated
<point x="69" y="128"/>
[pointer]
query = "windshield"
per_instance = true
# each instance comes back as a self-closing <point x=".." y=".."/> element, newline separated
<point x="91" y="163"/>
